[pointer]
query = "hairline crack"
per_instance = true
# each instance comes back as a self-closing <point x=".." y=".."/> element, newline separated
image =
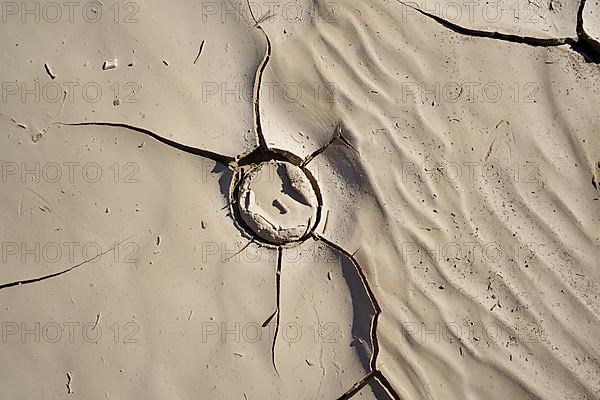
<point x="55" y="274"/>
<point x="216" y="157"/>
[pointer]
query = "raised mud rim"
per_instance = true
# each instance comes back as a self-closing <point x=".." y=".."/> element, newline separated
<point x="249" y="163"/>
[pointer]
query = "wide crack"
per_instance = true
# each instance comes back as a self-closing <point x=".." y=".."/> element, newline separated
<point x="582" y="44"/>
<point x="373" y="363"/>
<point x="586" y="39"/>
<point x="260" y="155"/>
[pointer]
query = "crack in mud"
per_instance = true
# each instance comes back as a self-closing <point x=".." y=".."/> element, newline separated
<point x="374" y="340"/>
<point x="65" y="271"/>
<point x="69" y="382"/>
<point x="199" y="51"/>
<point x="260" y="154"/>
<point x="583" y="35"/>
<point x="219" y="158"/>
<point x="386" y="384"/>
<point x="278" y="309"/>
<point x="269" y="319"/>
<point x="240" y="250"/>
<point x="581" y="44"/>
<point x="337" y="135"/>
<point x="507" y="37"/>
<point x="357" y="386"/>
<point x="258" y="82"/>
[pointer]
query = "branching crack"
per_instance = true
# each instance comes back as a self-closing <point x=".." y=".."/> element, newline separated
<point x="269" y="319"/>
<point x="357" y="386"/>
<point x="219" y="158"/>
<point x="371" y="294"/>
<point x="385" y="383"/>
<point x="375" y="375"/>
<point x="240" y="250"/>
<point x="337" y="135"/>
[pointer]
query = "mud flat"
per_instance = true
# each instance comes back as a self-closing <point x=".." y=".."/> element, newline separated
<point x="300" y="200"/>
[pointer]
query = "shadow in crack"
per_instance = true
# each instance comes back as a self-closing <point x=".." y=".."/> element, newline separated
<point x="363" y="312"/>
<point x="325" y="337"/>
<point x="224" y="179"/>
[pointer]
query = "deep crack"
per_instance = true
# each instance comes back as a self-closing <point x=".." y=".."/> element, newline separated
<point x="507" y="37"/>
<point x="386" y="384"/>
<point x="590" y="47"/>
<point x="357" y="386"/>
<point x="374" y="340"/>
<point x="581" y="44"/>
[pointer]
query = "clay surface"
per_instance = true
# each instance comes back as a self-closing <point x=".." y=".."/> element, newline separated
<point x="348" y="199"/>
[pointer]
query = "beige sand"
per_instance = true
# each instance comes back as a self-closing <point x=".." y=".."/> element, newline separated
<point x="450" y="250"/>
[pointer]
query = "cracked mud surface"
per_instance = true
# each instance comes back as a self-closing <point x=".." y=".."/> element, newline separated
<point x="421" y="222"/>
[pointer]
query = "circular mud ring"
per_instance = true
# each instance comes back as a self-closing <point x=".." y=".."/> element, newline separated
<point x="277" y="202"/>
